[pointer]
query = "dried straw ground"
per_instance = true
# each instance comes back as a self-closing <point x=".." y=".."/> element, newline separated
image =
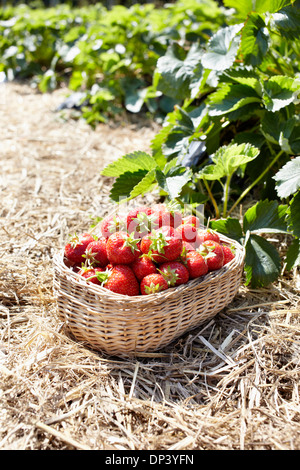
<point x="233" y="383"/>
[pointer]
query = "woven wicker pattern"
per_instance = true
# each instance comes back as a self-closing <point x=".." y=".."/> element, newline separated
<point x="126" y="326"/>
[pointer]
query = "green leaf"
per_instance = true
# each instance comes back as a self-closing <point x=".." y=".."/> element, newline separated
<point x="293" y="255"/>
<point x="293" y="215"/>
<point x="244" y="76"/>
<point x="176" y="143"/>
<point x="184" y="119"/>
<point x="136" y="94"/>
<point x="198" y="80"/>
<point x="175" y="138"/>
<point x="244" y="7"/>
<point x="265" y="217"/>
<point x="280" y="91"/>
<point x="287" y="21"/>
<point x="176" y="70"/>
<point x="173" y="183"/>
<point x="145" y="185"/>
<point x="134" y="101"/>
<point x="125" y="184"/>
<point x="199" y="116"/>
<point x="101" y="95"/>
<point x="288" y="178"/>
<point x="212" y="172"/>
<point x="222" y="48"/>
<point x="227" y="159"/>
<point x="157" y="143"/>
<point x="230" y="97"/>
<point x="230" y="227"/>
<point x="281" y="131"/>
<point x="257" y="140"/>
<point x="255" y="40"/>
<point x="262" y="262"/>
<point x="130" y="162"/>
<point x="48" y="81"/>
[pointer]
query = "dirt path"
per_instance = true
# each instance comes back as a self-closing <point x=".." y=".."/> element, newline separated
<point x="231" y="384"/>
<point x="45" y="156"/>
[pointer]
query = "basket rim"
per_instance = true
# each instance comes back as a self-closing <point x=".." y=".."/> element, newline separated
<point x="172" y="292"/>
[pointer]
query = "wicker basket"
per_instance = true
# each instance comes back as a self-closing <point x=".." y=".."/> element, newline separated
<point x="120" y="325"/>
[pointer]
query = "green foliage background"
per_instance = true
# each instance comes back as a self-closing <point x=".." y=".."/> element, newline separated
<point x="108" y="54"/>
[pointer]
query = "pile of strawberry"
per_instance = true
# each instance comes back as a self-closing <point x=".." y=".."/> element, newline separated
<point x="147" y="250"/>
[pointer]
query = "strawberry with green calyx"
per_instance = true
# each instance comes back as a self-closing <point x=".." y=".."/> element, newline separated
<point x="163" y="244"/>
<point x="133" y="213"/>
<point x="174" y="272"/>
<point x="153" y="241"/>
<point x="196" y="264"/>
<point x="121" y="280"/>
<point x="122" y="248"/>
<point x="143" y="266"/>
<point x="229" y="253"/>
<point x="186" y="247"/>
<point x="153" y="283"/>
<point x="75" y="248"/>
<point x="96" y="252"/>
<point x="112" y="224"/>
<point x="208" y="234"/>
<point x="90" y="274"/>
<point x="142" y="225"/>
<point x="139" y="221"/>
<point x="213" y="253"/>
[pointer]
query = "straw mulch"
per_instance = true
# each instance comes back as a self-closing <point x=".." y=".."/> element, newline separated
<point x="232" y="383"/>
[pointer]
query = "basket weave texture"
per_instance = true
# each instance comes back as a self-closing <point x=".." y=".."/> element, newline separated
<point x="120" y="325"/>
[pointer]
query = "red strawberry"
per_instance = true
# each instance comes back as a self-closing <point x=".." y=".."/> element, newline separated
<point x="122" y="248"/>
<point x="143" y="266"/>
<point x="121" y="280"/>
<point x="167" y="215"/>
<point x="162" y="245"/>
<point x="90" y="274"/>
<point x="186" y="247"/>
<point x="174" y="272"/>
<point x="112" y="224"/>
<point x="75" y="248"/>
<point x="189" y="234"/>
<point x="208" y="234"/>
<point x="196" y="264"/>
<point x="228" y="253"/>
<point x="96" y="252"/>
<point x="163" y="218"/>
<point x="191" y="220"/>
<point x="153" y="283"/>
<point x="213" y="253"/>
<point x="139" y="221"/>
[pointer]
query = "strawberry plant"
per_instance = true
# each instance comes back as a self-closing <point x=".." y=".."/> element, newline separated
<point x="288" y="187"/>
<point x="233" y="134"/>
